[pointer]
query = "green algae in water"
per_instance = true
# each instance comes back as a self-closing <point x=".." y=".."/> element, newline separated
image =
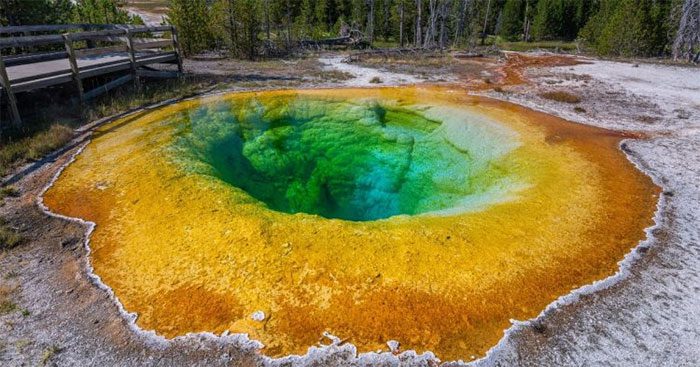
<point x="354" y="160"/>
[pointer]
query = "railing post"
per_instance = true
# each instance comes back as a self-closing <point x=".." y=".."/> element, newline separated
<point x="88" y="43"/>
<point x="176" y="46"/>
<point x="5" y="82"/>
<point x="29" y="48"/>
<point x="132" y="57"/>
<point x="73" y="65"/>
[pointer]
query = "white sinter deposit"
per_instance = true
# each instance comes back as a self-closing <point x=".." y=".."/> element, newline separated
<point x="363" y="77"/>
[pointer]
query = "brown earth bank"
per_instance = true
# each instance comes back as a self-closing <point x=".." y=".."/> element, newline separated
<point x="53" y="313"/>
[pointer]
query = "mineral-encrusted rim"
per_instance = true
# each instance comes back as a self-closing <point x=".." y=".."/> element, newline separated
<point x="245" y="343"/>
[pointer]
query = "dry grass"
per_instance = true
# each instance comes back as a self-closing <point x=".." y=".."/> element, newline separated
<point x="543" y="45"/>
<point x="648" y="119"/>
<point x="6" y="305"/>
<point x="130" y="97"/>
<point x="8" y="191"/>
<point x="9" y="238"/>
<point x="48" y="354"/>
<point x="23" y="343"/>
<point x="335" y="75"/>
<point x="561" y="96"/>
<point x="34" y="147"/>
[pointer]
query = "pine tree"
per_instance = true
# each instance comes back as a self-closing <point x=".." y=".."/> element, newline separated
<point x="512" y="19"/>
<point x="419" y="24"/>
<point x="321" y="17"/>
<point x="24" y="12"/>
<point x="358" y="14"/>
<point x="560" y="19"/>
<point x="191" y="17"/>
<point x="549" y="19"/>
<point x="249" y="11"/>
<point x="628" y="28"/>
<point x="305" y="20"/>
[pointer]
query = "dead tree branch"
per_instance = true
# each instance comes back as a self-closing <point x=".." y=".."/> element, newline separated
<point x="687" y="43"/>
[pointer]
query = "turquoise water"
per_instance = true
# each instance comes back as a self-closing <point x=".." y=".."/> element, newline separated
<point x="352" y="160"/>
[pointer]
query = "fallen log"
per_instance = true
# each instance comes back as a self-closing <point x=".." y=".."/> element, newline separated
<point x="338" y="41"/>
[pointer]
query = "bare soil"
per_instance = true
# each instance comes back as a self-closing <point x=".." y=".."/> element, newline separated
<point x="302" y="72"/>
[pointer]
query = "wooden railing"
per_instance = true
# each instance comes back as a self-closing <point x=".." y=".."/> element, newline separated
<point x="26" y="45"/>
<point x="26" y="30"/>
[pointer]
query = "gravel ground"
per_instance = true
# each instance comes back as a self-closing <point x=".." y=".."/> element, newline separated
<point x="649" y="314"/>
<point x="367" y="77"/>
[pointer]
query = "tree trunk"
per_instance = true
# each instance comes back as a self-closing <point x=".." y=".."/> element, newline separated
<point x="387" y="15"/>
<point x="252" y="34"/>
<point x="430" y="30"/>
<point x="486" y="22"/>
<point x="419" y="29"/>
<point x="444" y="11"/>
<point x="233" y="34"/>
<point x="462" y="22"/>
<point x="401" y="23"/>
<point x="526" y="23"/>
<point x="370" y="22"/>
<point x="289" y="25"/>
<point x="267" y="18"/>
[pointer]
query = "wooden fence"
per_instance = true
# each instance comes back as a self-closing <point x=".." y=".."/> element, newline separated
<point x="39" y="56"/>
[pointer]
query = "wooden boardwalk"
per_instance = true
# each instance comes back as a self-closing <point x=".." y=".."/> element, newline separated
<point x="124" y="51"/>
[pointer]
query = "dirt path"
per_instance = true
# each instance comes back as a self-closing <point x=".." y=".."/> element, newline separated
<point x="152" y="12"/>
<point x="649" y="316"/>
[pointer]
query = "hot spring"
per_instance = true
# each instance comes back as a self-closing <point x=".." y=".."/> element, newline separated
<point x="421" y="215"/>
<point x="361" y="160"/>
